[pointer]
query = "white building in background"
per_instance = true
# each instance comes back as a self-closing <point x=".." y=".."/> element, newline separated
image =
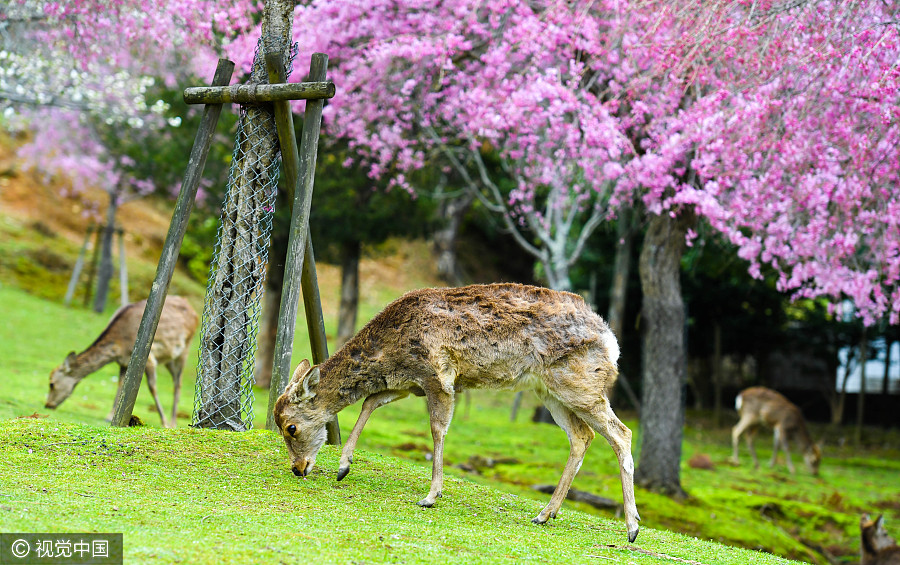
<point x="874" y="369"/>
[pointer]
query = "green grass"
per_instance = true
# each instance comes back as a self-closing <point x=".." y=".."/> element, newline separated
<point x="199" y="496"/>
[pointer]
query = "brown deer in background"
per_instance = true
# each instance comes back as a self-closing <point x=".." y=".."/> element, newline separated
<point x="876" y="546"/>
<point x="763" y="406"/>
<point x="438" y="342"/>
<point x="177" y="324"/>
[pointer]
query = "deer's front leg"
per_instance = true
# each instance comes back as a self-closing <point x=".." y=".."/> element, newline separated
<point x="782" y="436"/>
<point x="372" y="402"/>
<point x="112" y="411"/>
<point x="440" y="407"/>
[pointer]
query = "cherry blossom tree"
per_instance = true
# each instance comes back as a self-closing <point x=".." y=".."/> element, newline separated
<point x="79" y="75"/>
<point x="775" y="122"/>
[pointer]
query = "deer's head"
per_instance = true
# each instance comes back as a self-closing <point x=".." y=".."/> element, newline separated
<point x="874" y="534"/>
<point x="301" y="418"/>
<point x="812" y="457"/>
<point x="62" y="382"/>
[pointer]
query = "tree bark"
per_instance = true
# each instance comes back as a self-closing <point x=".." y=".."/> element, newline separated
<point x="717" y="376"/>
<point x="451" y="211"/>
<point x="105" y="272"/>
<point x="621" y="269"/>
<point x="838" y="400"/>
<point x="351" y="252"/>
<point x="664" y="354"/>
<point x="265" y="352"/>
<point x="618" y="292"/>
<point x="861" y="398"/>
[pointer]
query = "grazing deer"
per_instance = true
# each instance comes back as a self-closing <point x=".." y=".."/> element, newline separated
<point x="438" y="342"/>
<point x="876" y="546"/>
<point x="763" y="406"/>
<point x="177" y="324"/>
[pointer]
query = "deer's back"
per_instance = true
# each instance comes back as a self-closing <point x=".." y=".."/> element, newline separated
<point x="769" y="407"/>
<point x="492" y="335"/>
<point x="178" y="322"/>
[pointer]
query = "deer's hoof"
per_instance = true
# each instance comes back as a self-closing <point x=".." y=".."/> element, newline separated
<point x="539" y="519"/>
<point x="343" y="472"/>
<point x="425" y="503"/>
<point x="632" y="534"/>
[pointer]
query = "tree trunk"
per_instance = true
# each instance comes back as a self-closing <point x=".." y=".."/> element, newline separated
<point x="886" y="382"/>
<point x="717" y="376"/>
<point x="861" y="398"/>
<point x="92" y="268"/>
<point x="837" y="403"/>
<point x="123" y="270"/>
<point x="265" y="352"/>
<point x="664" y="354"/>
<point x="351" y="252"/>
<point x="105" y="272"/>
<point x="451" y="211"/>
<point x="618" y="293"/>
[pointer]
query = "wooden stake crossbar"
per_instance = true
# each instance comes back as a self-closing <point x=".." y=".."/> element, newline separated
<point x="256" y="93"/>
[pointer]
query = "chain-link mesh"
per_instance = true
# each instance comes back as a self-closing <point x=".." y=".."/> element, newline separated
<point x="223" y="397"/>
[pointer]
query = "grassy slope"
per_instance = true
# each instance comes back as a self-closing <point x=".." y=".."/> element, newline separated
<point x="192" y="495"/>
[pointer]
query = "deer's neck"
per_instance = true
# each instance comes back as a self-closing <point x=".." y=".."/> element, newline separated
<point x="93" y="358"/>
<point x="801" y="434"/>
<point x="344" y="381"/>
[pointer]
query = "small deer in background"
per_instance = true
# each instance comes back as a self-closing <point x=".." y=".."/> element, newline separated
<point x="763" y="406"/>
<point x="177" y="324"/>
<point x="438" y="342"/>
<point x="876" y="546"/>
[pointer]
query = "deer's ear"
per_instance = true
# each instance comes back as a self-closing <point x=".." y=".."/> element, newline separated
<point x="305" y="389"/>
<point x="300" y="371"/>
<point x="879" y="522"/>
<point x="70" y="359"/>
<point x="864" y="520"/>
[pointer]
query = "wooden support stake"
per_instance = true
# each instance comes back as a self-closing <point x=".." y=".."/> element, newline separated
<point x="300" y="175"/>
<point x="147" y="330"/>
<point x="258" y="93"/>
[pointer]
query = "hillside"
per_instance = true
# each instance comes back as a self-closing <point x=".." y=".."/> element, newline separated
<point x="41" y="233"/>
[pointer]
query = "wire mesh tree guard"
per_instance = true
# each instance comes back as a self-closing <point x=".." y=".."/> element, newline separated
<point x="223" y="398"/>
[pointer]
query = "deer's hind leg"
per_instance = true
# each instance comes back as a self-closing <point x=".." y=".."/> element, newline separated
<point x="580" y="437"/>
<point x="150" y="372"/>
<point x="746" y="426"/>
<point x="176" y="368"/>
<point x="372" y="402"/>
<point x="605" y="422"/>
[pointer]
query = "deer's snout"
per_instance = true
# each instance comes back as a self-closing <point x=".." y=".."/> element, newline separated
<point x="301" y="468"/>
